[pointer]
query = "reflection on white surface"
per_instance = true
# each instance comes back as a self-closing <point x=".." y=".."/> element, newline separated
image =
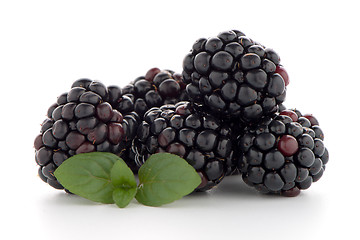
<point x="232" y="209"/>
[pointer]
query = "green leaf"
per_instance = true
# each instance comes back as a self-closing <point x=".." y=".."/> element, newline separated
<point x="123" y="196"/>
<point x="122" y="176"/>
<point x="164" y="178"/>
<point x="124" y="182"/>
<point x="88" y="175"/>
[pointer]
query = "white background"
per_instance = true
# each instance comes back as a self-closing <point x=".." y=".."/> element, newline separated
<point x="46" y="45"/>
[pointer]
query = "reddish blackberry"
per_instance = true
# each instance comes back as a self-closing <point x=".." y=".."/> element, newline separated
<point x="284" y="154"/>
<point x="81" y="121"/>
<point x="154" y="89"/>
<point x="234" y="76"/>
<point x="203" y="140"/>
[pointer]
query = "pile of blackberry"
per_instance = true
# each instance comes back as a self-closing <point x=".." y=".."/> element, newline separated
<point x="154" y="89"/>
<point x="81" y="121"/>
<point x="233" y="77"/>
<point x="93" y="117"/>
<point x="224" y="114"/>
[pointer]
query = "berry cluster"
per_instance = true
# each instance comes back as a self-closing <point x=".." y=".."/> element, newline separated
<point x="283" y="154"/>
<point x="80" y="121"/>
<point x="223" y="114"/>
<point x="154" y="89"/>
<point x="234" y="76"/>
<point x="200" y="138"/>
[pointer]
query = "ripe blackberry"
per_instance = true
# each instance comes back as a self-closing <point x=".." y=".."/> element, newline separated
<point x="234" y="76"/>
<point x="200" y="138"/>
<point x="81" y="121"/>
<point x="156" y="88"/>
<point x="284" y="154"/>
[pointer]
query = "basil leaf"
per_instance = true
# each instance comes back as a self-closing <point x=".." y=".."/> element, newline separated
<point x="88" y="175"/>
<point x="164" y="178"/>
<point x="124" y="182"/>
<point x="123" y="196"/>
<point x="122" y="176"/>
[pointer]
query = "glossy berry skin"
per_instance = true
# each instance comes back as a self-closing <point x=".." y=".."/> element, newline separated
<point x="288" y="145"/>
<point x="81" y="121"/>
<point x="282" y="71"/>
<point x="233" y="76"/>
<point x="154" y="89"/>
<point x="274" y="157"/>
<point x="201" y="139"/>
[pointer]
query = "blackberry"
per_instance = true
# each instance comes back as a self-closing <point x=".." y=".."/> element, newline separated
<point x="234" y="76"/>
<point x="81" y="121"/>
<point x="156" y="88"/>
<point x="200" y="138"/>
<point x="283" y="154"/>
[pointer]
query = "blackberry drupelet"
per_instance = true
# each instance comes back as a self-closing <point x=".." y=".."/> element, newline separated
<point x="203" y="140"/>
<point x="81" y="121"/>
<point x="156" y="88"/>
<point x="284" y="154"/>
<point x="234" y="76"/>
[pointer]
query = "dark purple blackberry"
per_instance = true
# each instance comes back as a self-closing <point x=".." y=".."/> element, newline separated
<point x="81" y="121"/>
<point x="284" y="154"/>
<point x="154" y="89"/>
<point x="234" y="76"/>
<point x="200" y="138"/>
